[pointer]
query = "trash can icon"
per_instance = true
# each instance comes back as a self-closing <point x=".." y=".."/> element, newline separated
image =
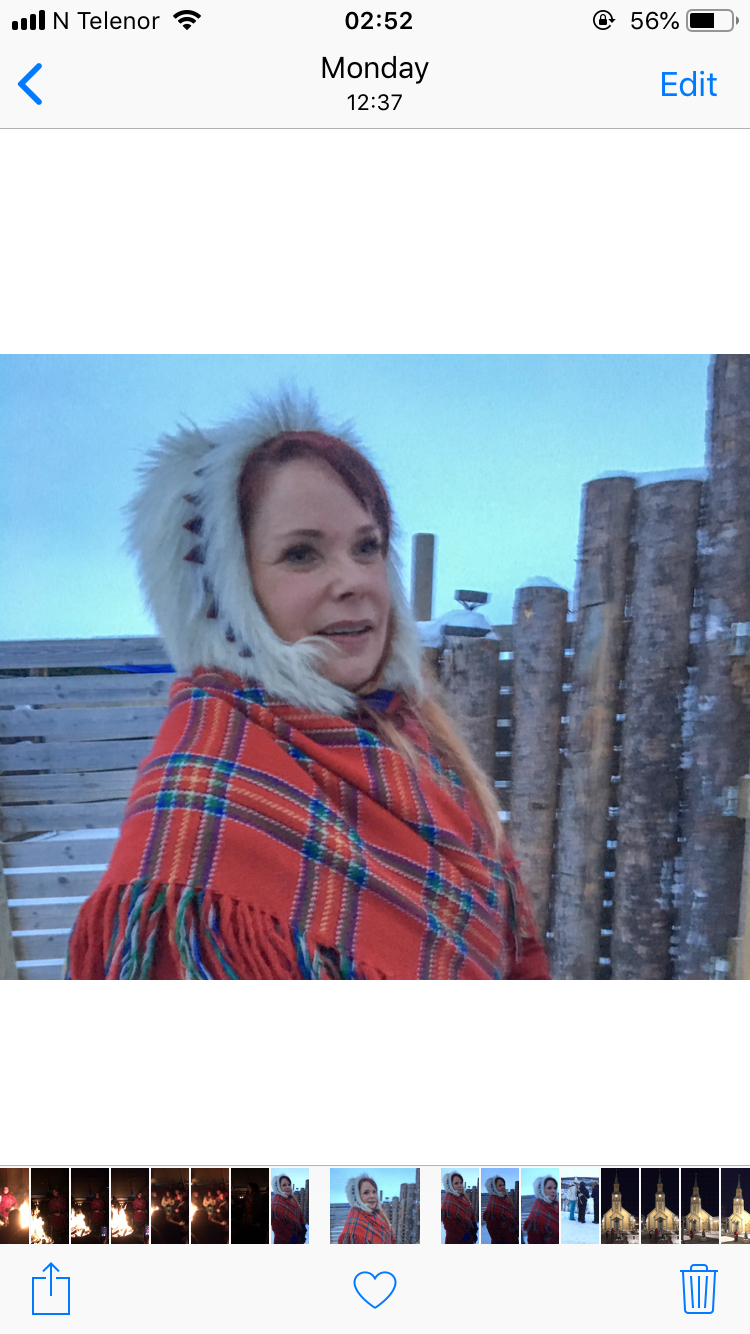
<point x="698" y="1290"/>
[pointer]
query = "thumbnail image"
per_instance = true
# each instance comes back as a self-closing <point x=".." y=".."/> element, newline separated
<point x="374" y="1207"/>
<point x="49" y="1205"/>
<point x="170" y="1194"/>
<point x="620" y="1191"/>
<point x="459" y="1206"/>
<point x="701" y="1222"/>
<point x="14" y="1206"/>
<point x="290" y="1205"/>
<point x="249" y="1206"/>
<point x="129" y="1206"/>
<point x="209" y="1206"/>
<point x="579" y="1206"/>
<point x="89" y="1205"/>
<point x="540" y="1206"/>
<point x="735" y="1220"/>
<point x="499" y="1204"/>
<point x="660" y="1187"/>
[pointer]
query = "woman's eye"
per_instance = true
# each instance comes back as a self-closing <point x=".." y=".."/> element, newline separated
<point x="299" y="555"/>
<point x="370" y="546"/>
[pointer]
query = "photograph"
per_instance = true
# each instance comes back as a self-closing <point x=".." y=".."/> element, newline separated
<point x="307" y="537"/>
<point x="170" y="1200"/>
<point x="701" y="1218"/>
<point x="459" y="1206"/>
<point x="540" y="1206"/>
<point x="89" y="1205"/>
<point x="579" y="1206"/>
<point x="378" y="1208"/>
<point x="499" y="1203"/>
<point x="290" y="1206"/>
<point x="620" y="1200"/>
<point x="209" y="1206"/>
<point x="129" y="1209"/>
<point x="15" y="1212"/>
<point x="50" y="1217"/>
<point x="735" y="1219"/>
<point x="249" y="1206"/>
<point x="660" y="1206"/>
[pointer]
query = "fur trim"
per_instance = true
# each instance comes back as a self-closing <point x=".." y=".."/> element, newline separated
<point x="353" y="1195"/>
<point x="539" y="1187"/>
<point x="204" y="606"/>
<point x="491" y="1188"/>
<point x="448" y="1181"/>
<point x="276" y="1188"/>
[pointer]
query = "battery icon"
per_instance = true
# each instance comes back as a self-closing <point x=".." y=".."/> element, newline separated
<point x="710" y="20"/>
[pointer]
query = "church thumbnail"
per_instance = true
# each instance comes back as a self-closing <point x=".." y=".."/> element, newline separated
<point x="735" y="1218"/>
<point x="700" y="1205"/>
<point x="660" y="1205"/>
<point x="621" y="1205"/>
<point x="14" y="1206"/>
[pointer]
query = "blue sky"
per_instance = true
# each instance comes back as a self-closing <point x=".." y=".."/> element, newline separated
<point x="469" y="1174"/>
<point x="530" y="1174"/>
<point x="388" y="1180"/>
<point x="490" y="453"/>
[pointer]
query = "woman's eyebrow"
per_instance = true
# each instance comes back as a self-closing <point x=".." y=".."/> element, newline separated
<point x="317" y="532"/>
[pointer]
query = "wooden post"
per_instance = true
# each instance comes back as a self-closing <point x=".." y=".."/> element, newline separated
<point x="720" y="742"/>
<point x="740" y="946"/>
<point x="666" y="529"/>
<point x="8" y="970"/>
<point x="470" y="676"/>
<point x="422" y="575"/>
<point x="539" y="624"/>
<point x="586" y="791"/>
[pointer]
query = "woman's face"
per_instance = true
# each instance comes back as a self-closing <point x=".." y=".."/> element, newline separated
<point x="286" y="1185"/>
<point x="368" y="1194"/>
<point x="457" y="1181"/>
<point x="317" y="566"/>
<point x="550" y="1188"/>
<point x="500" y="1185"/>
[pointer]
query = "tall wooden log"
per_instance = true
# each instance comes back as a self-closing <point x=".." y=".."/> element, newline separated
<point x="7" y="953"/>
<point x="422" y="574"/>
<point x="666" y="531"/>
<point x="539" y="620"/>
<point x="586" y="791"/>
<point x="470" y="676"/>
<point x="720" y="742"/>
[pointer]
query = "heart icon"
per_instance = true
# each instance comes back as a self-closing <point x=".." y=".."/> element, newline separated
<point x="381" y="1290"/>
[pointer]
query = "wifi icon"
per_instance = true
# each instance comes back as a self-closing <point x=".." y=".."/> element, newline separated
<point x="187" y="17"/>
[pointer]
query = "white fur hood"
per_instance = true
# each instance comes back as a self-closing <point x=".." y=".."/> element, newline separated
<point x="275" y="1187"/>
<point x="353" y="1195"/>
<point x="539" y="1187"/>
<point x="448" y="1181"/>
<point x="186" y="535"/>
<point x="491" y="1188"/>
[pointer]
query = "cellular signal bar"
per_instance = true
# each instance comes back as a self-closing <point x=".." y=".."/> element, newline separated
<point x="31" y="24"/>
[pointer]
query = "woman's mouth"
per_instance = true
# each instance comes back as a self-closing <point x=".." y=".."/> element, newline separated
<point x="355" y="631"/>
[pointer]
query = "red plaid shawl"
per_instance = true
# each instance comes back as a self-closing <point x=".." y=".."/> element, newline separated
<point x="543" y="1222"/>
<point x="501" y="1220"/>
<point x="458" y="1221"/>
<point x="286" y="1219"/>
<point x="262" y="840"/>
<point x="365" y="1229"/>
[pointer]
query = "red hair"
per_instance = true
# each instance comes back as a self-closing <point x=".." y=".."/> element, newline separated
<point x="352" y="468"/>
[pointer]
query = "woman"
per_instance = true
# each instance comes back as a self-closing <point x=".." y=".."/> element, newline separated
<point x="7" y="1203"/>
<point x="58" y="1217"/>
<point x="543" y="1223"/>
<point x="307" y="809"/>
<point x="366" y="1223"/>
<point x="287" y="1222"/>
<point x="98" y="1215"/>
<point x="456" y="1212"/>
<point x="139" y="1210"/>
<point x="583" y="1199"/>
<point x="256" y="1215"/>
<point x="500" y="1217"/>
<point x="572" y="1196"/>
